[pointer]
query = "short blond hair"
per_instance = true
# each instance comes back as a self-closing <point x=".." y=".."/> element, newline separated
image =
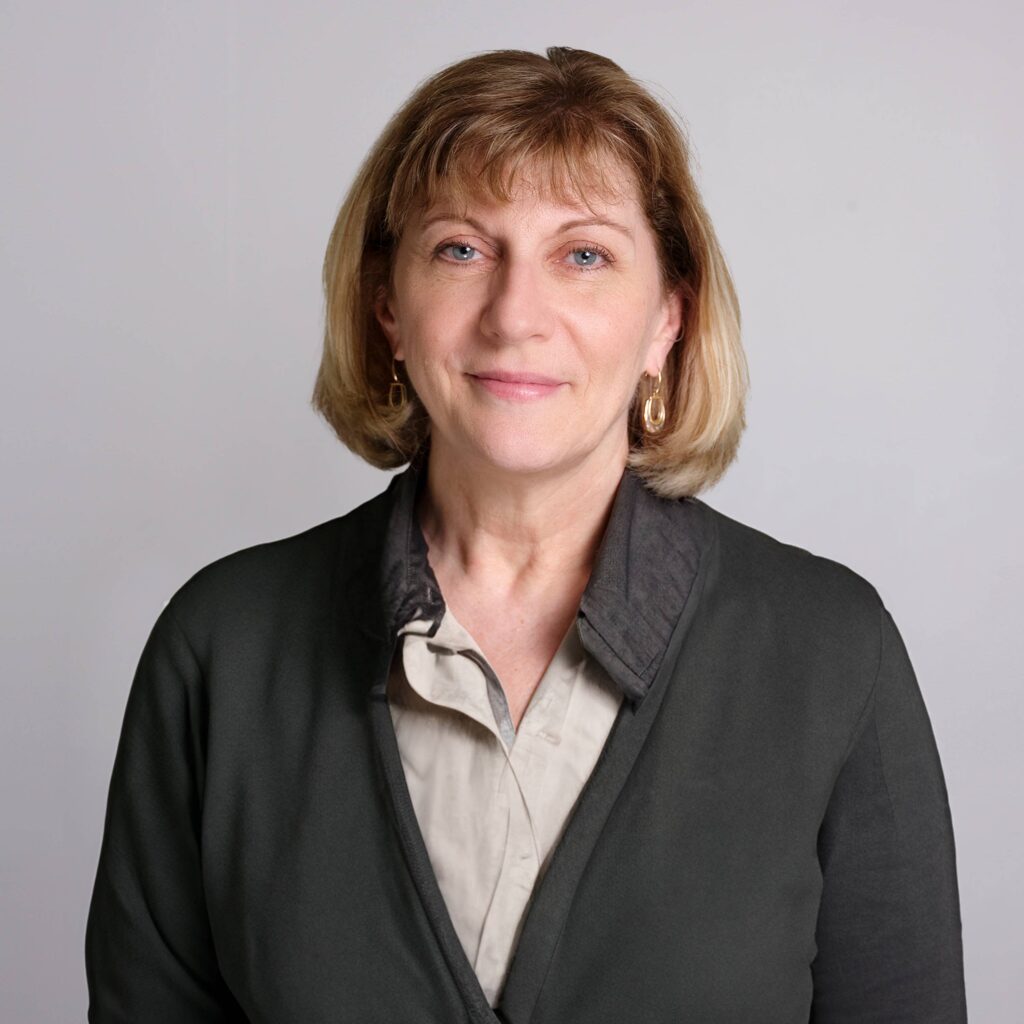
<point x="466" y="132"/>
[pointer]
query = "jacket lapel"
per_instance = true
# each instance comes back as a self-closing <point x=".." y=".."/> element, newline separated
<point x="643" y="575"/>
<point x="389" y="581"/>
<point x="634" y="618"/>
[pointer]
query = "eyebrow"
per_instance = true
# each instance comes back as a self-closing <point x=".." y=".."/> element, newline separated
<point x="567" y="226"/>
<point x="597" y="222"/>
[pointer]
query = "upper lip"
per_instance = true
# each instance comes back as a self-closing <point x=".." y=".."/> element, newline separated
<point x="516" y="377"/>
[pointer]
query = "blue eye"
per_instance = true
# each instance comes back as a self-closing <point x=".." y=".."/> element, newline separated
<point x="459" y="252"/>
<point x="458" y="245"/>
<point x="590" y="253"/>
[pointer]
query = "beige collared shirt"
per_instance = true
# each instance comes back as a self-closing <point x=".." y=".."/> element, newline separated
<point x="492" y="801"/>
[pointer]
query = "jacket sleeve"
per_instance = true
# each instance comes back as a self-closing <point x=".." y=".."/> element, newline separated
<point x="889" y="932"/>
<point x="149" y="950"/>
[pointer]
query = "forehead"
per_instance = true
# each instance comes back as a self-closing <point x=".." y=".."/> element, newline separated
<point x="597" y="186"/>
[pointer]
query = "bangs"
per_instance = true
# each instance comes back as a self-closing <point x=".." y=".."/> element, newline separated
<point x="573" y="169"/>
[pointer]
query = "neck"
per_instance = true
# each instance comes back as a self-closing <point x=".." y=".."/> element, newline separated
<point x="510" y="531"/>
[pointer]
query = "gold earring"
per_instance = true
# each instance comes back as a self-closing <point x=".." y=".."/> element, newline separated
<point x="396" y="391"/>
<point x="654" y="407"/>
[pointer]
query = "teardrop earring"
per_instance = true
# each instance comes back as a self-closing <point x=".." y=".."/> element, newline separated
<point x="396" y="391"/>
<point x="654" y="407"/>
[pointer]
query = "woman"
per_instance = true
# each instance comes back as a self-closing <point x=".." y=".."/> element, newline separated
<point x="536" y="734"/>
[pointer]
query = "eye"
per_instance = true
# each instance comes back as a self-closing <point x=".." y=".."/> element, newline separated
<point x="589" y="252"/>
<point x="460" y="247"/>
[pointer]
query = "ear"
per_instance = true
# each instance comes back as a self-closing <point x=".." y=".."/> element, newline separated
<point x="668" y="334"/>
<point x="384" y="311"/>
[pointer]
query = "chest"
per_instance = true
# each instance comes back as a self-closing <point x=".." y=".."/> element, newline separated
<point x="518" y="640"/>
<point x="686" y="881"/>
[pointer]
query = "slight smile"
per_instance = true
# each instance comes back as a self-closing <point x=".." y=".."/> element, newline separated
<point x="516" y="386"/>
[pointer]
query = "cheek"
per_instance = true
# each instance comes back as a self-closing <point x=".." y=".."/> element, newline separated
<point x="615" y="357"/>
<point x="426" y="331"/>
<point x="432" y="355"/>
<point x="433" y="326"/>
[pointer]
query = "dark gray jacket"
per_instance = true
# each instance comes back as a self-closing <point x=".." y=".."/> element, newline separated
<point x="766" y="838"/>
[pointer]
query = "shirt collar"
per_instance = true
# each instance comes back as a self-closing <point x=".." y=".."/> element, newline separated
<point x="643" y="573"/>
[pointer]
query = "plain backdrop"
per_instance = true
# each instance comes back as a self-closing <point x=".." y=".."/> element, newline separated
<point x="170" y="174"/>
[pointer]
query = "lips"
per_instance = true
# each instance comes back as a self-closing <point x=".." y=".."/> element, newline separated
<point x="516" y="386"/>
<point x="515" y="377"/>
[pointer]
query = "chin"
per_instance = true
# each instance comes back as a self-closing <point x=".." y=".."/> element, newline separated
<point x="524" y="452"/>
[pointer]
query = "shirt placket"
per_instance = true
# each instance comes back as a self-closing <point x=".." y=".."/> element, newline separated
<point x="539" y="732"/>
<point x="527" y="757"/>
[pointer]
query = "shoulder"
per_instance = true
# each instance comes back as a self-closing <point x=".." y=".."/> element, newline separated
<point x="289" y="578"/>
<point x="806" y="630"/>
<point x="787" y="585"/>
<point x="755" y="558"/>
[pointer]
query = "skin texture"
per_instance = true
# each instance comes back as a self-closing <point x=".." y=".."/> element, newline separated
<point x="519" y="485"/>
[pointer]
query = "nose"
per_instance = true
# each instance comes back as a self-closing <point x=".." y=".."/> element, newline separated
<point x="518" y="306"/>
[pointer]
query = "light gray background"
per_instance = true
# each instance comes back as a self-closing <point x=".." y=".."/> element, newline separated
<point x="170" y="173"/>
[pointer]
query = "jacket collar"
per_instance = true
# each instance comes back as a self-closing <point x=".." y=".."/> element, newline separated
<point x="643" y="573"/>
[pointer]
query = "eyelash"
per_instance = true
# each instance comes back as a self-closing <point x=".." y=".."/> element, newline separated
<point x="589" y="247"/>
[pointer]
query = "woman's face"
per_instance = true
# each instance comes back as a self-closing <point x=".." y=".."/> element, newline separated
<point x="525" y="327"/>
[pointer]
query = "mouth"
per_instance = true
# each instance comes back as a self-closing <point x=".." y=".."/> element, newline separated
<point x="516" y="386"/>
